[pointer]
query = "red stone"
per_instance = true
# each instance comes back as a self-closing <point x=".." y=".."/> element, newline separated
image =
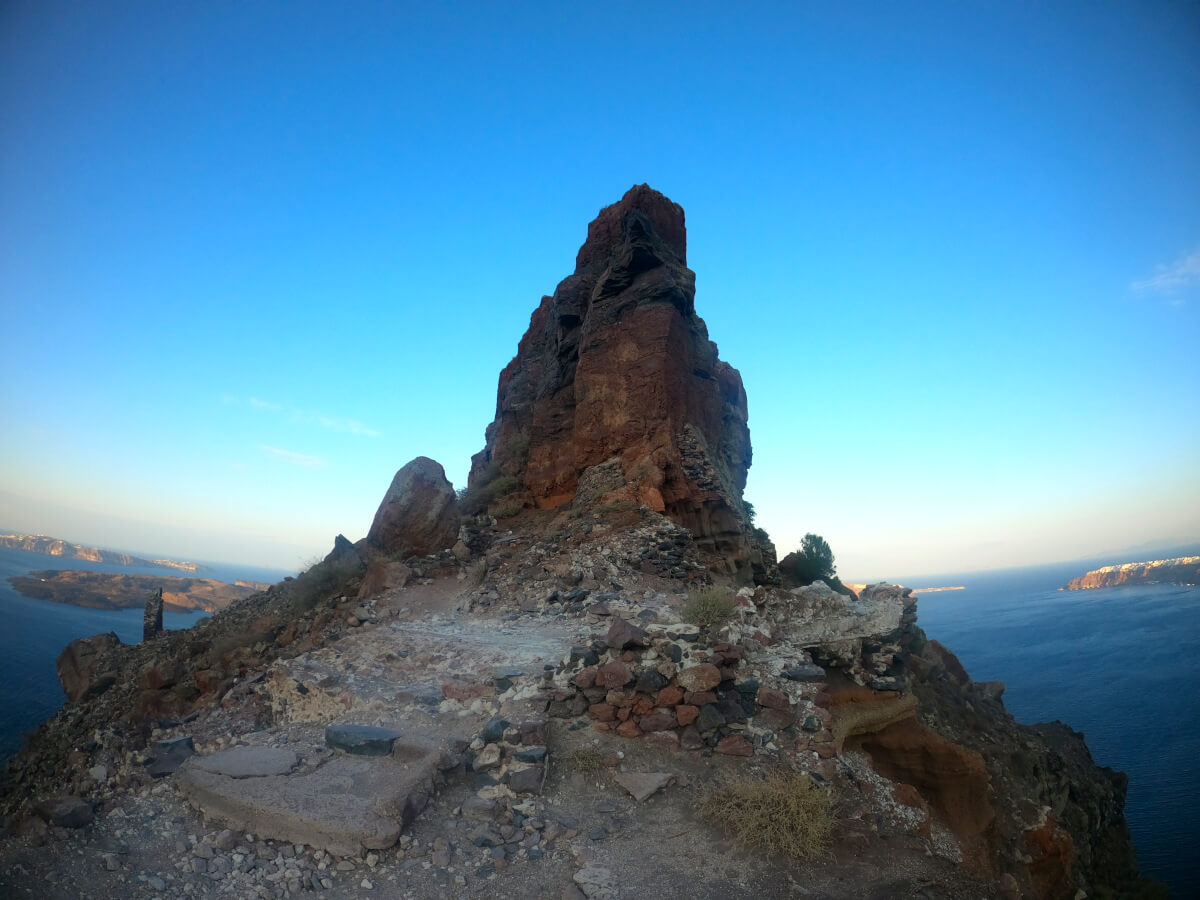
<point x="643" y="704"/>
<point x="672" y="695"/>
<point x="585" y="677"/>
<point x="773" y="699"/>
<point x="703" y="677"/>
<point x="629" y="729"/>
<point x="602" y="712"/>
<point x="657" y="721"/>
<point x="734" y="745"/>
<point x="700" y="698"/>
<point x="686" y="714"/>
<point x="614" y="675"/>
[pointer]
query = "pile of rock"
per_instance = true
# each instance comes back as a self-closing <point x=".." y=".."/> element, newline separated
<point x="680" y="688"/>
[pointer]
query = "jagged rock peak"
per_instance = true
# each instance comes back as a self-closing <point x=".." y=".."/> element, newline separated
<point x="617" y="394"/>
<point x="606" y="232"/>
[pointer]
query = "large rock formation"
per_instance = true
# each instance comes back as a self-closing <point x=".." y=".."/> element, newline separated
<point x="417" y="515"/>
<point x="1182" y="570"/>
<point x="616" y="392"/>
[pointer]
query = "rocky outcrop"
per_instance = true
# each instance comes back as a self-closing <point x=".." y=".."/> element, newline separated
<point x="152" y="616"/>
<point x="87" y="667"/>
<point x="417" y="515"/>
<point x="1182" y="570"/>
<point x="617" y="394"/>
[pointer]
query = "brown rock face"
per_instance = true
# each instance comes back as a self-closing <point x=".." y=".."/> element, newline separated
<point x="418" y="515"/>
<point x="616" y="392"/>
<point x="86" y="667"/>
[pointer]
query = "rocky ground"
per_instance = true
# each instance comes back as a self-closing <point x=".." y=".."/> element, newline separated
<point x="440" y="660"/>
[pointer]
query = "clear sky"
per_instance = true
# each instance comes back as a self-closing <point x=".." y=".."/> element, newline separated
<point x="256" y="256"/>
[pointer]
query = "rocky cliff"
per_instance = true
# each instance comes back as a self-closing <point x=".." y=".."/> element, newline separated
<point x="616" y="392"/>
<point x="1182" y="570"/>
<point x="482" y="696"/>
<point x="50" y="546"/>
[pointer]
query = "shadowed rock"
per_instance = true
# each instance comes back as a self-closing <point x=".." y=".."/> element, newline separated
<point x="87" y="666"/>
<point x="417" y="515"/>
<point x="152" y="618"/>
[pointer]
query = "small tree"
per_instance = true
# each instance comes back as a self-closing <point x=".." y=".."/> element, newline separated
<point x="813" y="561"/>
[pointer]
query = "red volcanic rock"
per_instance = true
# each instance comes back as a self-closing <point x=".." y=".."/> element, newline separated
<point x="616" y="392"/>
<point x="418" y="515"/>
<point x="613" y="675"/>
<point x="703" y="677"/>
<point x="87" y="666"/>
<point x="734" y="745"/>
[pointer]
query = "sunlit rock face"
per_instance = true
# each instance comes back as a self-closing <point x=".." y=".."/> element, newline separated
<point x="616" y="371"/>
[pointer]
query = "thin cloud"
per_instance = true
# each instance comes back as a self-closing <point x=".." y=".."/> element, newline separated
<point x="263" y="404"/>
<point x="291" y="456"/>
<point x="1172" y="279"/>
<point x="306" y="417"/>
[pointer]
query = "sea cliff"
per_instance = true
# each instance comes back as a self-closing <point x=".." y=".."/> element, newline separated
<point x="51" y="546"/>
<point x="1181" y="570"/>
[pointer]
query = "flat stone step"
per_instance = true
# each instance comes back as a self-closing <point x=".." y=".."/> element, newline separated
<point x="346" y="805"/>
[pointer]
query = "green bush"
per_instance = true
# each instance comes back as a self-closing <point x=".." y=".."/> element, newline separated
<point x="709" y="607"/>
<point x="812" y="562"/>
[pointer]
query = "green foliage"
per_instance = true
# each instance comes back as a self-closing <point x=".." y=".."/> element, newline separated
<point x="813" y="562"/>
<point x="783" y="814"/>
<point x="709" y="606"/>
<point x="489" y="487"/>
<point x="750" y="511"/>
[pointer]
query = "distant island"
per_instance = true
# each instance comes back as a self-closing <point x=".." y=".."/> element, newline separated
<point x="104" y="590"/>
<point x="1182" y="570"/>
<point x="50" y="546"/>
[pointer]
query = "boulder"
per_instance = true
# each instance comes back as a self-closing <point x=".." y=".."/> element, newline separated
<point x="418" y="515"/>
<point x="617" y="394"/>
<point x="87" y="666"/>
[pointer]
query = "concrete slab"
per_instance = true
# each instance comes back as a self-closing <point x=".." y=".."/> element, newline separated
<point x="249" y="762"/>
<point x="348" y="804"/>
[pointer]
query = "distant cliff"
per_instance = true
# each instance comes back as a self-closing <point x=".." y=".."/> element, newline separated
<point x="1183" y="570"/>
<point x="105" y="590"/>
<point x="49" y="546"/>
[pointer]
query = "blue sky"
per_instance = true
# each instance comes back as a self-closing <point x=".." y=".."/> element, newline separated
<point x="254" y="257"/>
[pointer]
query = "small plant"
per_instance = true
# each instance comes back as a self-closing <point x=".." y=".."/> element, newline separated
<point x="781" y="814"/>
<point x="709" y="606"/>
<point x="506" y="510"/>
<point x="585" y="760"/>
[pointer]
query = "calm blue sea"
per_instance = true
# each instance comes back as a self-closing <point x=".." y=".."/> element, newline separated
<point x="1122" y="665"/>
<point x="34" y="632"/>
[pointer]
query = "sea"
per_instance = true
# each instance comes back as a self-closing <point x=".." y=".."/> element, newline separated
<point x="33" y="633"/>
<point x="1122" y="665"/>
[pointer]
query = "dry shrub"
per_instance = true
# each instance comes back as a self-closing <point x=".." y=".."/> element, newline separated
<point x="584" y="760"/>
<point x="709" y="606"/>
<point x="505" y="510"/>
<point x="781" y="814"/>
